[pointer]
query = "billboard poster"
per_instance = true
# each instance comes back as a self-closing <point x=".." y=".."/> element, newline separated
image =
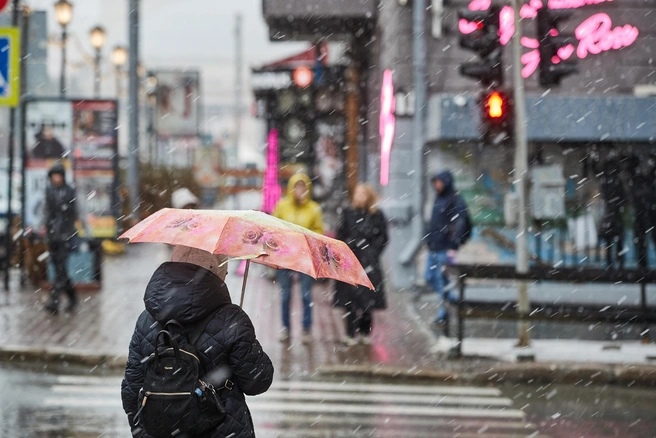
<point x="48" y="138"/>
<point x="49" y="132"/>
<point x="178" y="102"/>
<point x="95" y="201"/>
<point x="94" y="133"/>
<point x="82" y="135"/>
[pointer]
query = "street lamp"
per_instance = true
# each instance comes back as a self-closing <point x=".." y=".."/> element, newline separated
<point x="119" y="59"/>
<point x="64" y="15"/>
<point x="97" y="35"/>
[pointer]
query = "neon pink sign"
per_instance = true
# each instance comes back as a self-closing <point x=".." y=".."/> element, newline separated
<point x="595" y="35"/>
<point x="387" y="125"/>
<point x="271" y="191"/>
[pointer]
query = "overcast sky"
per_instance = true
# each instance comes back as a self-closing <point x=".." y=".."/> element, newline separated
<point x="175" y="33"/>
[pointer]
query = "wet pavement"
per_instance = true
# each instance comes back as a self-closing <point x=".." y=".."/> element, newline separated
<point x="104" y="321"/>
<point x="321" y="389"/>
<point x="38" y="403"/>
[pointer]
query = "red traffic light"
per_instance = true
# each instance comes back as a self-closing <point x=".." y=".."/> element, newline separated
<point x="495" y="104"/>
<point x="303" y="77"/>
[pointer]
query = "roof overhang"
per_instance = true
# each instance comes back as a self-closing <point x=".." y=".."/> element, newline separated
<point x="552" y="118"/>
<point x="309" y="20"/>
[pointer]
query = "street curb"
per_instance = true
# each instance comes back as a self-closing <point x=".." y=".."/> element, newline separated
<point x="558" y="373"/>
<point x="493" y="373"/>
<point x="16" y="354"/>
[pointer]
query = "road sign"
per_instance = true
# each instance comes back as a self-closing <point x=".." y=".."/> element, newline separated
<point x="3" y="4"/>
<point x="9" y="66"/>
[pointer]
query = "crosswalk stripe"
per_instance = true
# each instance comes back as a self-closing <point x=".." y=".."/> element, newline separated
<point x="419" y="411"/>
<point x="336" y="420"/>
<point x="73" y="402"/>
<point x="90" y="389"/>
<point x="310" y="385"/>
<point x="378" y="432"/>
<point x="386" y="388"/>
<point x="385" y="398"/>
<point x="269" y="406"/>
<point x="89" y="380"/>
<point x="279" y="394"/>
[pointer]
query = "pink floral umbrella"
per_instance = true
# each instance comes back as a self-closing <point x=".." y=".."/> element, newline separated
<point x="253" y="236"/>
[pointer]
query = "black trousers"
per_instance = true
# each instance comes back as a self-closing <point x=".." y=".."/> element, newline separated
<point x="358" y="320"/>
<point x="59" y="252"/>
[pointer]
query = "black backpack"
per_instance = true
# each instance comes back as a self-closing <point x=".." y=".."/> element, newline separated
<point x="174" y="400"/>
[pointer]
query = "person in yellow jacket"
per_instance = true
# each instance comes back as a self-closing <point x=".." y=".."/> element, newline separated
<point x="298" y="207"/>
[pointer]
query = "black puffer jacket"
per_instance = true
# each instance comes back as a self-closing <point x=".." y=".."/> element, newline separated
<point x="189" y="293"/>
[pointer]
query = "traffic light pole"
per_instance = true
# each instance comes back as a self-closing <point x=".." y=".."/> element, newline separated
<point x="520" y="178"/>
<point x="133" y="109"/>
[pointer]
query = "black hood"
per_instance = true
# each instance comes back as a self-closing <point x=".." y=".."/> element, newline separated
<point x="57" y="168"/>
<point x="184" y="292"/>
<point x="447" y="179"/>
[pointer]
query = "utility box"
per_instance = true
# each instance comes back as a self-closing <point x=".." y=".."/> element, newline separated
<point x="511" y="209"/>
<point x="547" y="192"/>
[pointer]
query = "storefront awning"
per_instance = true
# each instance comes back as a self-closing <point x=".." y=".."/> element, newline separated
<point x="552" y="118"/>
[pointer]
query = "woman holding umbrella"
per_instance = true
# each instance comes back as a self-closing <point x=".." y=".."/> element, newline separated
<point x="191" y="291"/>
<point x="363" y="228"/>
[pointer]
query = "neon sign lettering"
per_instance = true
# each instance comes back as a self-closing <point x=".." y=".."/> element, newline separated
<point x="271" y="192"/>
<point x="573" y="4"/>
<point x="387" y="125"/>
<point x="595" y="35"/>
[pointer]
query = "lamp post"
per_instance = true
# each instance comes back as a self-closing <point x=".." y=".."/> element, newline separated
<point x="119" y="58"/>
<point x="97" y="36"/>
<point x="64" y="15"/>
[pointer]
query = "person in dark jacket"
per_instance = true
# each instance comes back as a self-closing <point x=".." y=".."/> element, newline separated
<point x="60" y="216"/>
<point x="364" y="229"/>
<point x="443" y="236"/>
<point x="188" y="289"/>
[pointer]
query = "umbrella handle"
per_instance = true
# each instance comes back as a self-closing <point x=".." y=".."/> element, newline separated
<point x="243" y="286"/>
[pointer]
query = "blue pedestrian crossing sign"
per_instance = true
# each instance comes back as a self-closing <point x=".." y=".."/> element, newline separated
<point x="9" y="66"/>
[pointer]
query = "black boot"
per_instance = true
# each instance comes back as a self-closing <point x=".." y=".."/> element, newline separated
<point x="52" y="307"/>
<point x="72" y="298"/>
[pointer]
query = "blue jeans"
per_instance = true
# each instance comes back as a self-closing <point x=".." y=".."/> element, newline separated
<point x="285" y="278"/>
<point x="436" y="262"/>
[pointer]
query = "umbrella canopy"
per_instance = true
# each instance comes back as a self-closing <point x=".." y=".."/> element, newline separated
<point x="255" y="236"/>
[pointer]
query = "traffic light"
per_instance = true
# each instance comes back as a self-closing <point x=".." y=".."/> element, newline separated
<point x="554" y="46"/>
<point x="485" y="42"/>
<point x="496" y="116"/>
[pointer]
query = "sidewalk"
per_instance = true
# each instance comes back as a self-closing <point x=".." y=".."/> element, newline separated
<point x="98" y="334"/>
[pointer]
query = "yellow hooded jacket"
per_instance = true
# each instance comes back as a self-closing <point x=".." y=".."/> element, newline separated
<point x="307" y="213"/>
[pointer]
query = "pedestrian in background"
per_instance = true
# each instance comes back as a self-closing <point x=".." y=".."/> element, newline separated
<point x="363" y="228"/>
<point x="298" y="207"/>
<point x="184" y="198"/>
<point x="189" y="289"/>
<point x="60" y="216"/>
<point x="447" y="230"/>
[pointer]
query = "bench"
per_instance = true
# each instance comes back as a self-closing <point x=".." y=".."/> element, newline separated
<point x="641" y="315"/>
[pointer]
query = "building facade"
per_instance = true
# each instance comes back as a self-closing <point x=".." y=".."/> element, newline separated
<point x="604" y="113"/>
